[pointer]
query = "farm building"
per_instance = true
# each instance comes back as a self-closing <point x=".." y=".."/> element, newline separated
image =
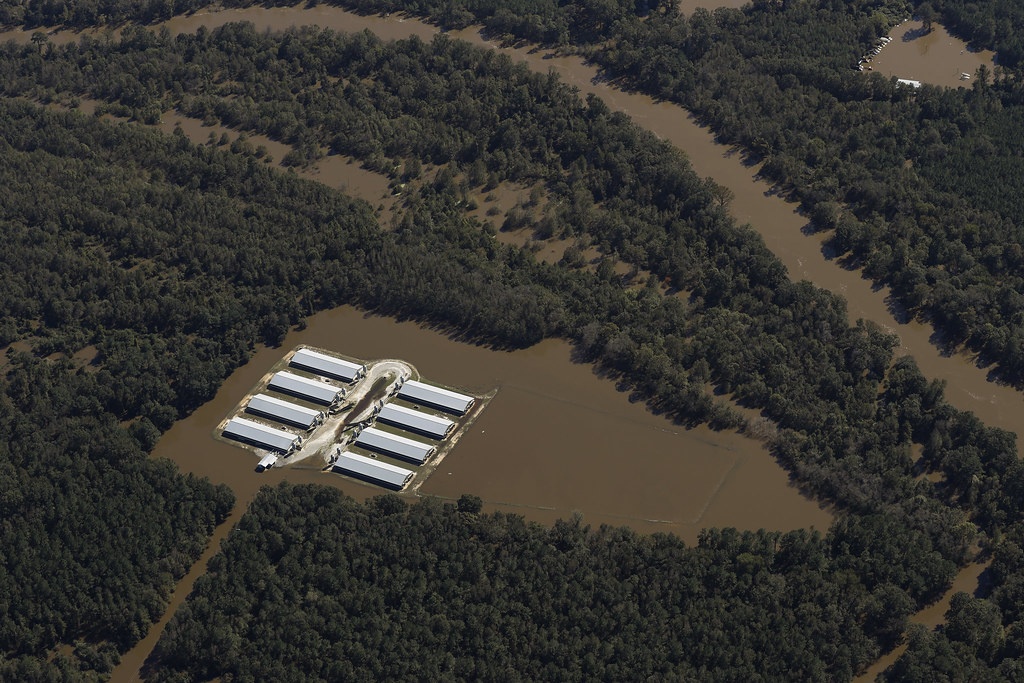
<point x="427" y="394"/>
<point x="415" y="421"/>
<point x="304" y="387"/>
<point x="393" y="444"/>
<point x="283" y="411"/>
<point x="262" y="436"/>
<point x="372" y="470"/>
<point x="328" y="366"/>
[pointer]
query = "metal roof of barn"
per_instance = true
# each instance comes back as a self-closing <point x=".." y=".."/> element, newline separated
<point x="415" y="420"/>
<point x="260" y="434"/>
<point x="283" y="411"/>
<point x="436" y="396"/>
<point x="304" y="387"/>
<point x="374" y="470"/>
<point x="329" y="366"/>
<point x="394" y="444"/>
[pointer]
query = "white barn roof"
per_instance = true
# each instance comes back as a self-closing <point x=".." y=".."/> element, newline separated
<point x="393" y="444"/>
<point x="374" y="470"/>
<point x="304" y="387"/>
<point x="329" y="366"/>
<point x="416" y="421"/>
<point x="257" y="434"/>
<point x="283" y="411"/>
<point x="435" y="396"/>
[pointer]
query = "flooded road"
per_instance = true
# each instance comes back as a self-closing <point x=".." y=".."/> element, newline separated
<point x="555" y="439"/>
<point x="129" y="668"/>
<point x="966" y="581"/>
<point x="336" y="171"/>
<point x="936" y="57"/>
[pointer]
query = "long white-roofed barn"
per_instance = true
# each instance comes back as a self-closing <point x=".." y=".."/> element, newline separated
<point x="395" y="444"/>
<point x="274" y="408"/>
<point x="374" y="471"/>
<point x="304" y="387"/>
<point x="428" y="394"/>
<point x="415" y="421"/>
<point x="328" y="366"/>
<point x="261" y="435"/>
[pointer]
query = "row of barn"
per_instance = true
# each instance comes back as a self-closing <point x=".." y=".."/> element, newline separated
<point x="318" y="391"/>
<point x="322" y="392"/>
<point x="398" y="446"/>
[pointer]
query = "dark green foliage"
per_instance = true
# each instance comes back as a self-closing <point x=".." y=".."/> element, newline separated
<point x="374" y="592"/>
<point x="174" y="261"/>
<point x="994" y="24"/>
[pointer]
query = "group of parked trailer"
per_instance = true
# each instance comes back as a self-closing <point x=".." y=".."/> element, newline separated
<point x="864" y="63"/>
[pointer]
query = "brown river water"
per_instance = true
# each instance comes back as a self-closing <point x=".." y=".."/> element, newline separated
<point x="556" y="438"/>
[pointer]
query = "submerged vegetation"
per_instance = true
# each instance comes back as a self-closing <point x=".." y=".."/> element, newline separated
<point x="173" y="260"/>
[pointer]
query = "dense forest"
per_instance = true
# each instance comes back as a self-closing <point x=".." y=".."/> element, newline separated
<point x="389" y="591"/>
<point x="912" y="185"/>
<point x="173" y="260"/>
<point x="909" y="184"/>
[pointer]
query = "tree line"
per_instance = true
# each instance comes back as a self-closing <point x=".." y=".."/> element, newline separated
<point x="386" y="590"/>
<point x="233" y="253"/>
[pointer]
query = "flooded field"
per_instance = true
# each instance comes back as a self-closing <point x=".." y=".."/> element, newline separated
<point x="335" y="171"/>
<point x="935" y="57"/>
<point x="555" y="439"/>
<point x="687" y="6"/>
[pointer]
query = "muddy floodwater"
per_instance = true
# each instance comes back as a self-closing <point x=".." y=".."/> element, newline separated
<point x="687" y="6"/>
<point x="554" y="440"/>
<point x="754" y="203"/>
<point x="966" y="581"/>
<point x="936" y="57"/>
